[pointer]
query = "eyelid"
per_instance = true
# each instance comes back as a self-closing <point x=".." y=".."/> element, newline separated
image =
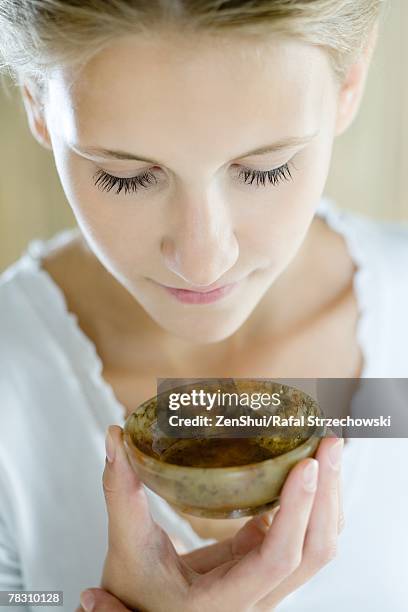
<point x="115" y="166"/>
<point x="265" y="167"/>
<point x="128" y="174"/>
<point x="279" y="158"/>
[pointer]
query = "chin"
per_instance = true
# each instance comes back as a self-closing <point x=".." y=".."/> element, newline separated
<point x="205" y="330"/>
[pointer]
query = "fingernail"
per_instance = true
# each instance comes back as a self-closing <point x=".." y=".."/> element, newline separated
<point x="87" y="600"/>
<point x="335" y="453"/>
<point x="110" y="447"/>
<point x="310" y="475"/>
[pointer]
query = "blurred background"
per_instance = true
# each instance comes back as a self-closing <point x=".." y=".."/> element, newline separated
<point x="368" y="174"/>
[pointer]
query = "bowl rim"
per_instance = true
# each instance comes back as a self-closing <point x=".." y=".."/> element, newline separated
<point x="319" y="432"/>
<point x="151" y="462"/>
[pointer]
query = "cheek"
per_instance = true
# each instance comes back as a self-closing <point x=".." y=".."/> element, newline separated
<point x="280" y="216"/>
<point x="121" y="229"/>
<point x="309" y="179"/>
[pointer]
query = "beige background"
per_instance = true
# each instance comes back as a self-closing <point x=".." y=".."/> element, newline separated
<point x="368" y="171"/>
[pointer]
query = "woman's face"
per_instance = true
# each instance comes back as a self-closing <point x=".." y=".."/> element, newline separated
<point x="231" y="142"/>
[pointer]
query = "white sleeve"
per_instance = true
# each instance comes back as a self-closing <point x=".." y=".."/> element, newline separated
<point x="10" y="566"/>
<point x="10" y="573"/>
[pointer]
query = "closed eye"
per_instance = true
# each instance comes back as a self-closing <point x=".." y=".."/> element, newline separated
<point x="106" y="182"/>
<point x="262" y="177"/>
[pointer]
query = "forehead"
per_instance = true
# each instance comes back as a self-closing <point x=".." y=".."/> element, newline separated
<point x="192" y="89"/>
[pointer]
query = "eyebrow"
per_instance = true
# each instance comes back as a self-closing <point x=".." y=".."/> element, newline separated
<point x="287" y="143"/>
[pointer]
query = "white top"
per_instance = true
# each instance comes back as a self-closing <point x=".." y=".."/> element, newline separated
<point x="53" y="525"/>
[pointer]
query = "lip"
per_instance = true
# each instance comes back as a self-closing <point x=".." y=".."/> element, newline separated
<point x="200" y="297"/>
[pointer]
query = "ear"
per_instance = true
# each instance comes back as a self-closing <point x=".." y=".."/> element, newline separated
<point x="35" y="115"/>
<point x="352" y="88"/>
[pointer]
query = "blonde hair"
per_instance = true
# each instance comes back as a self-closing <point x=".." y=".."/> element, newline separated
<point x="37" y="35"/>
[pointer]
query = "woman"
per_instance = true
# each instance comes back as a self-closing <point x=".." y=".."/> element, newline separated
<point x="193" y="142"/>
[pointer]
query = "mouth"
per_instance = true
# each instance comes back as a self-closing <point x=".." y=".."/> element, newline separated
<point x="201" y="296"/>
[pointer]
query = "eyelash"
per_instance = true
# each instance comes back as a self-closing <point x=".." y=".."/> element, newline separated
<point x="274" y="176"/>
<point x="106" y="181"/>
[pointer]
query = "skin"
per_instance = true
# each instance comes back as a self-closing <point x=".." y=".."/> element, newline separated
<point x="196" y="106"/>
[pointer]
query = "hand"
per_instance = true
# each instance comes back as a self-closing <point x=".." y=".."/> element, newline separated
<point x="251" y="534"/>
<point x="252" y="571"/>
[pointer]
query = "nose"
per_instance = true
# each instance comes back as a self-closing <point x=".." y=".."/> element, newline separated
<point x="202" y="246"/>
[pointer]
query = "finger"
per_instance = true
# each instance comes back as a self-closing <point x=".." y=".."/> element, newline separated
<point x="206" y="558"/>
<point x="129" y="519"/>
<point x="341" y="521"/>
<point x="253" y="532"/>
<point x="132" y="533"/>
<point x="98" y="600"/>
<point x="279" y="554"/>
<point x="321" y="536"/>
<point x="248" y="537"/>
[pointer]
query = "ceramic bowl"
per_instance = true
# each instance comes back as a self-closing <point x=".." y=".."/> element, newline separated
<point x="241" y="488"/>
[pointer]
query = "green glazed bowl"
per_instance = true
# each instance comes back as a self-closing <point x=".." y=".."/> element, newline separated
<point x="229" y="491"/>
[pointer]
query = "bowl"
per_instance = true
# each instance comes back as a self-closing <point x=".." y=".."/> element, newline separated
<point x="217" y="477"/>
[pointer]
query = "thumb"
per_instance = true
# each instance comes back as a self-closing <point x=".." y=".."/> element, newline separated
<point x="98" y="600"/>
<point x="126" y="501"/>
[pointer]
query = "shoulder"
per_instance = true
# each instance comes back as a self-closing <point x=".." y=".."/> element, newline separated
<point x="26" y="349"/>
<point x="391" y="261"/>
<point x="379" y="245"/>
<point x="382" y="248"/>
<point x="19" y="288"/>
<point x="13" y="305"/>
<point x="391" y="238"/>
<point x="33" y="368"/>
<point x="386" y="246"/>
<point x="17" y="326"/>
<point x="31" y="304"/>
<point x="379" y="249"/>
<point x="391" y="235"/>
